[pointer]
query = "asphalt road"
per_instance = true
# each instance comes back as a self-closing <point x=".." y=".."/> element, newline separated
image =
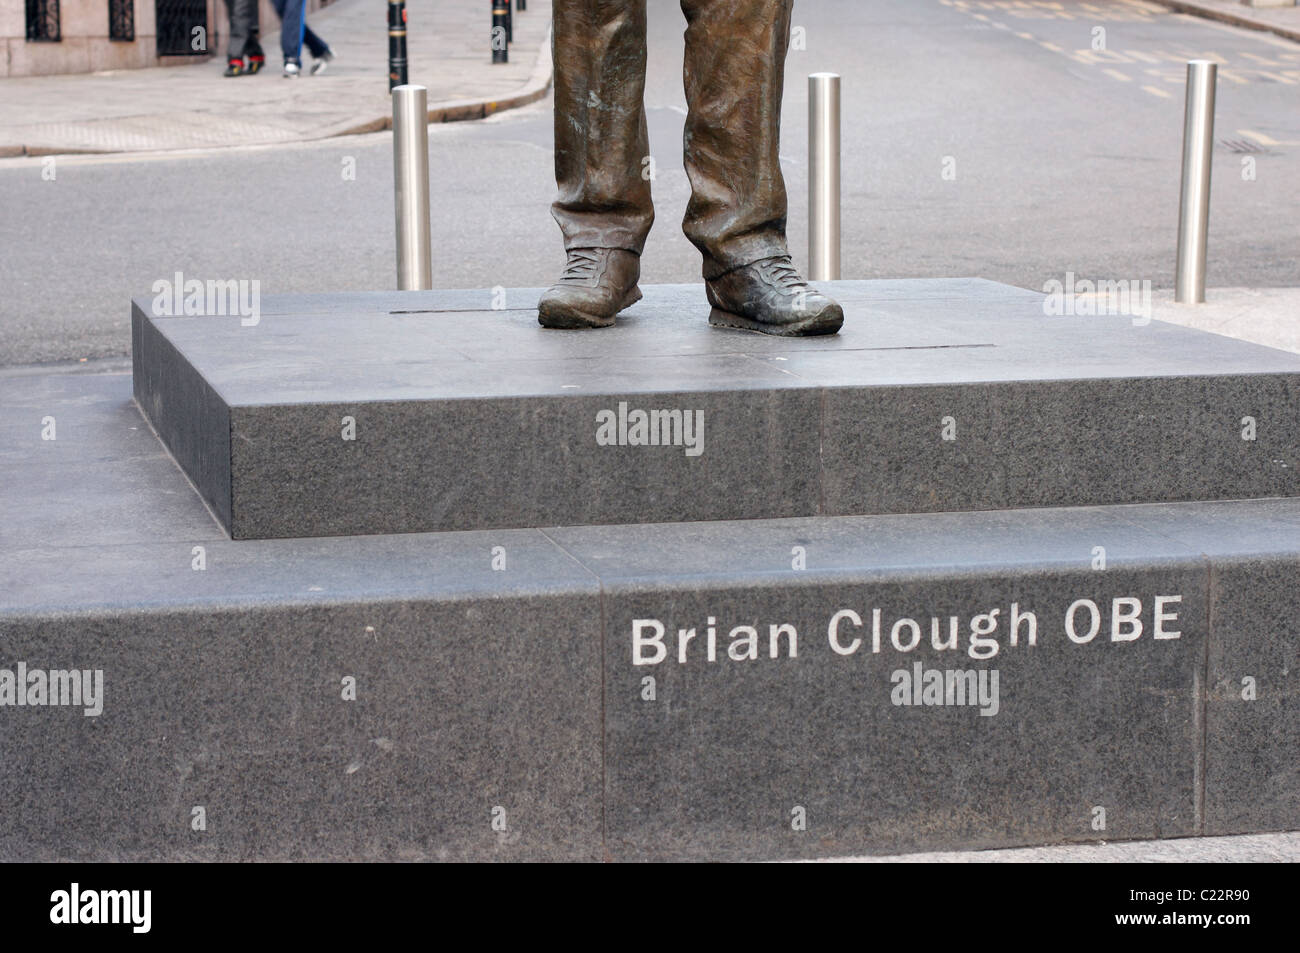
<point x="1066" y="158"/>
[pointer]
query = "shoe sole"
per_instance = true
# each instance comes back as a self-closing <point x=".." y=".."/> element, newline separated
<point x="826" y="323"/>
<point x="568" y="319"/>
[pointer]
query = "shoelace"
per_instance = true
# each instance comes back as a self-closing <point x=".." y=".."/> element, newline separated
<point x="782" y="272"/>
<point x="581" y="265"/>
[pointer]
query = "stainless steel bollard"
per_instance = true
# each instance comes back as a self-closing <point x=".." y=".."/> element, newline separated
<point x="411" y="186"/>
<point x="1194" y="201"/>
<point x="823" y="176"/>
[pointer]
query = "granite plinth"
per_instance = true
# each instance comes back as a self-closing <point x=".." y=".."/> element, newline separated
<point x="431" y="411"/>
<point x="837" y="744"/>
<point x="1252" y="695"/>
<point x="470" y="727"/>
<point x="495" y="670"/>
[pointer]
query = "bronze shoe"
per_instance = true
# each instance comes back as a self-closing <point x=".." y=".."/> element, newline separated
<point x="770" y="296"/>
<point x="597" y="284"/>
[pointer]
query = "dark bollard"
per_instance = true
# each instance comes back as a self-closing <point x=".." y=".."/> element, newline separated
<point x="500" y="36"/>
<point x="510" y="23"/>
<point x="396" y="43"/>
<point x="521" y="4"/>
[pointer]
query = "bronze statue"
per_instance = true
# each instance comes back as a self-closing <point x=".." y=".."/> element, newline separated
<point x="735" y="61"/>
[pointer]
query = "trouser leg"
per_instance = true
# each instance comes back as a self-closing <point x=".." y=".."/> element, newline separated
<point x="734" y="76"/>
<point x="254" y="48"/>
<point x="314" y="43"/>
<point x="292" y="22"/>
<point x="243" y="27"/>
<point x="601" y="140"/>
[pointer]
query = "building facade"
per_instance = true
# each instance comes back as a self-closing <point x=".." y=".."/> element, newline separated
<point x="42" y="37"/>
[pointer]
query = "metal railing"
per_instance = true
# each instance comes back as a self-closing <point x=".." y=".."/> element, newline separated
<point x="43" y="21"/>
<point x="121" y="20"/>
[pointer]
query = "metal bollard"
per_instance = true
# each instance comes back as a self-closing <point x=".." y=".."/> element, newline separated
<point x="411" y="187"/>
<point x="500" y="41"/>
<point x="396" y="43"/>
<point x="521" y="4"/>
<point x="824" y="176"/>
<point x="1194" y="200"/>
<point x="510" y="23"/>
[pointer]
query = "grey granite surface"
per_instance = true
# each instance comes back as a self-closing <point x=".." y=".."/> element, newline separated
<point x="936" y="396"/>
<point x="514" y="688"/>
<point x="717" y="762"/>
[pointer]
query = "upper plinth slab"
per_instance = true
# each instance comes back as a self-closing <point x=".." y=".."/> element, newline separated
<point x="444" y="410"/>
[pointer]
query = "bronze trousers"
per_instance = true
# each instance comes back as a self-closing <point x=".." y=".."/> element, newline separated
<point x="734" y="74"/>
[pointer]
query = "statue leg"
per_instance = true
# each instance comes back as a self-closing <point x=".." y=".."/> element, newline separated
<point x="601" y="141"/>
<point x="735" y="68"/>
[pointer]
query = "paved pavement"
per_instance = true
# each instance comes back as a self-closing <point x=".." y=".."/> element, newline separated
<point x="1065" y="161"/>
<point x="1284" y="21"/>
<point x="1245" y="848"/>
<point x="184" y="107"/>
<point x="187" y="107"/>
<point x="1269" y="316"/>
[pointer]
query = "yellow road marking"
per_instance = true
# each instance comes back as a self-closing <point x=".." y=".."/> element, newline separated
<point x="1157" y="91"/>
<point x="1264" y="140"/>
<point x="1116" y="74"/>
<point x="1259" y="137"/>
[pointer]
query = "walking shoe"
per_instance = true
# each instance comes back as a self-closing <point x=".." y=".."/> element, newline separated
<point x="255" y="63"/>
<point x="234" y="68"/>
<point x="597" y="284"/>
<point x="292" y="69"/>
<point x="322" y="61"/>
<point x="770" y="296"/>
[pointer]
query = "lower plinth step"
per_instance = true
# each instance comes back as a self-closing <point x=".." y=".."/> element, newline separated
<point x="758" y="689"/>
<point x="428" y="411"/>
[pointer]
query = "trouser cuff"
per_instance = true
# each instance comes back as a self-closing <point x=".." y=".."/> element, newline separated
<point x="605" y="238"/>
<point x="741" y="252"/>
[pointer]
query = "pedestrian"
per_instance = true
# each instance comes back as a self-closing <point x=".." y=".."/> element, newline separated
<point x="294" y="32"/>
<point x="244" y="52"/>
